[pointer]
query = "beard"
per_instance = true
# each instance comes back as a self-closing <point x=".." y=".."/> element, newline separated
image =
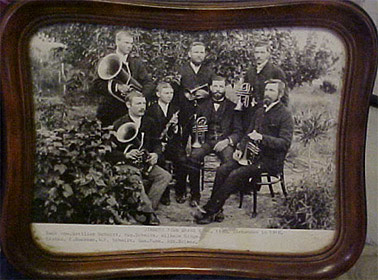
<point x="218" y="95"/>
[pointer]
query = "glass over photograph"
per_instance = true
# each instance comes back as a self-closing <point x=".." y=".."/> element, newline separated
<point x="167" y="139"/>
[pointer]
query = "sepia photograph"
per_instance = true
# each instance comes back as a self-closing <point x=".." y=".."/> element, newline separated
<point x="176" y="133"/>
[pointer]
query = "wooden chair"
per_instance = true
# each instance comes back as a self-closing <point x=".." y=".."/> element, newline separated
<point x="254" y="187"/>
<point x="206" y="168"/>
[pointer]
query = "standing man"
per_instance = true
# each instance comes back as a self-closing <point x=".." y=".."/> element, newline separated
<point x="219" y="114"/>
<point x="165" y="116"/>
<point x="138" y="147"/>
<point x="120" y="73"/>
<point x="263" y="71"/>
<point x="194" y="85"/>
<point x="268" y="140"/>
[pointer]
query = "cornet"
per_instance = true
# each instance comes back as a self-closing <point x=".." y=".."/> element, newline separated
<point x="199" y="130"/>
<point x="244" y="94"/>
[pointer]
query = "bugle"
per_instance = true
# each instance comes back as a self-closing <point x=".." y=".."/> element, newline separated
<point x="110" y="67"/>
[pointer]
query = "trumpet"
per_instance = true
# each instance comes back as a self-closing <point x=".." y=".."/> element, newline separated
<point x="127" y="133"/>
<point x="110" y="67"/>
<point x="199" y="129"/>
<point x="244" y="94"/>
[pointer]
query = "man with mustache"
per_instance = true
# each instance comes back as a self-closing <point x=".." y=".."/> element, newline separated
<point x="219" y="113"/>
<point x="268" y="137"/>
<point x="262" y="71"/>
<point x="114" y="91"/>
<point x="129" y="155"/>
<point x="193" y="85"/>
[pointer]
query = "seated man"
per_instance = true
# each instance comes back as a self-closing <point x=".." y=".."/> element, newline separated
<point x="219" y="115"/>
<point x="165" y="117"/>
<point x="267" y="140"/>
<point x="137" y="145"/>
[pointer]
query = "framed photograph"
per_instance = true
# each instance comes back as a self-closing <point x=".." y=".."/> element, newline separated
<point x="185" y="137"/>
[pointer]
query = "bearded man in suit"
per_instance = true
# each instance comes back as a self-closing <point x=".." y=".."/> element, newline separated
<point x="219" y="114"/>
<point x="193" y="85"/>
<point x="268" y="139"/>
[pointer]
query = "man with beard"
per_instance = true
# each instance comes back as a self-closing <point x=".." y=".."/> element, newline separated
<point x="219" y="114"/>
<point x="264" y="70"/>
<point x="268" y="139"/>
<point x="193" y="87"/>
<point x="137" y="149"/>
<point x="113" y="91"/>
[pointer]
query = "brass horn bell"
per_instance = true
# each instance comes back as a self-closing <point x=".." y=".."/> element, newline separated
<point x="110" y="67"/>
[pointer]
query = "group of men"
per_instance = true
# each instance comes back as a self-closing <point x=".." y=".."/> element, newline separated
<point x="153" y="127"/>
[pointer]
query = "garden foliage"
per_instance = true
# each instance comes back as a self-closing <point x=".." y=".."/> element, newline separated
<point x="230" y="53"/>
<point x="75" y="183"/>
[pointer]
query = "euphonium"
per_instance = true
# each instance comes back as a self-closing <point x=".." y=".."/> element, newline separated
<point x="128" y="133"/>
<point x="243" y="93"/>
<point x="110" y="67"/>
<point x="199" y="130"/>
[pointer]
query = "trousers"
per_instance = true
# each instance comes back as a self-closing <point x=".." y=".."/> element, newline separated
<point x="197" y="156"/>
<point x="230" y="177"/>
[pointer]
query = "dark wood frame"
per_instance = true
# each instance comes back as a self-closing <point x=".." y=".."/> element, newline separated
<point x="345" y="19"/>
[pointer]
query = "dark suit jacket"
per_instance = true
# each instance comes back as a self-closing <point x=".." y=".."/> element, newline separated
<point x="257" y="81"/>
<point x="277" y="131"/>
<point x="225" y="110"/>
<point x="150" y="140"/>
<point x="111" y="108"/>
<point x="190" y="80"/>
<point x="174" y="146"/>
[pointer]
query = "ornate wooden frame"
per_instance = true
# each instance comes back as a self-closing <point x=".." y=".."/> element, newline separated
<point x="344" y="18"/>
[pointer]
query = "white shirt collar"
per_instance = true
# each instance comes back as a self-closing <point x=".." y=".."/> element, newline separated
<point x="271" y="105"/>
<point x="195" y="67"/>
<point x="260" y="67"/>
<point x="164" y="107"/>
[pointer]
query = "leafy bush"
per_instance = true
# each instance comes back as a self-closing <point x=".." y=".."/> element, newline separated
<point x="311" y="125"/>
<point x="50" y="113"/>
<point x="74" y="184"/>
<point x="328" y="87"/>
<point x="310" y="205"/>
<point x="230" y="52"/>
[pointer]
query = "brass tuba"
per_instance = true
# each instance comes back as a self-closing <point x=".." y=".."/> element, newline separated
<point x="110" y="67"/>
<point x="244" y="94"/>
